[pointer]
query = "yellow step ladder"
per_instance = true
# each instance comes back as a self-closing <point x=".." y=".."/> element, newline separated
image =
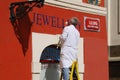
<point x="74" y="68"/>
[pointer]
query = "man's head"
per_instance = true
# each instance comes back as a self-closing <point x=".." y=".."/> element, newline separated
<point x="74" y="21"/>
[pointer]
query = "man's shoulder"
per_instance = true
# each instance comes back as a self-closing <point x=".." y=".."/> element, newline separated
<point x="70" y="26"/>
<point x="66" y="27"/>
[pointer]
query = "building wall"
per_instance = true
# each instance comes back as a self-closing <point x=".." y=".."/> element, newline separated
<point x="16" y="41"/>
<point x="113" y="20"/>
<point x="113" y="30"/>
<point x="94" y="42"/>
<point x="114" y="38"/>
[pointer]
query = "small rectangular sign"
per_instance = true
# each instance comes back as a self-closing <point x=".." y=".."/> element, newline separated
<point x="92" y="24"/>
<point x="95" y="2"/>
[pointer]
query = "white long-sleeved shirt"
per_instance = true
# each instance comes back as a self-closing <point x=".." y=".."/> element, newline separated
<point x="69" y="49"/>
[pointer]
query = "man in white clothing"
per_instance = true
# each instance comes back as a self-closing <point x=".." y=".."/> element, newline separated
<point x="69" y="49"/>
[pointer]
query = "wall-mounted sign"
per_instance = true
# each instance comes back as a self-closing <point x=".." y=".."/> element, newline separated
<point x="95" y="2"/>
<point x="92" y="24"/>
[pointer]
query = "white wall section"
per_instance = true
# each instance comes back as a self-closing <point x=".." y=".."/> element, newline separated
<point x="39" y="42"/>
<point x="77" y="5"/>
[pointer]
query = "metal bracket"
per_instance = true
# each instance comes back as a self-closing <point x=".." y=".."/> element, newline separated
<point x="19" y="9"/>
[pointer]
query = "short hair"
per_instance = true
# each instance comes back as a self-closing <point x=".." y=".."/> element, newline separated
<point x="74" y="21"/>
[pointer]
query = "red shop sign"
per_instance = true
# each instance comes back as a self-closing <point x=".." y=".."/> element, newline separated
<point x="91" y="24"/>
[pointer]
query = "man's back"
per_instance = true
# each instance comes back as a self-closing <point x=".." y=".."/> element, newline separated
<point x="69" y="48"/>
<point x="72" y="37"/>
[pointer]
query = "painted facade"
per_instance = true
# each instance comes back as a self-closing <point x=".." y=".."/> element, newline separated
<point x="16" y="42"/>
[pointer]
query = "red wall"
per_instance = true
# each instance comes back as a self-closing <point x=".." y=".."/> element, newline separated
<point x="16" y="40"/>
<point x="13" y="64"/>
<point x="95" y="43"/>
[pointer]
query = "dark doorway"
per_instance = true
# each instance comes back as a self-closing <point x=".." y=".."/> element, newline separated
<point x="114" y="70"/>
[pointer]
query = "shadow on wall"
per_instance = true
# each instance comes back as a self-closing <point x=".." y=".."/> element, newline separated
<point x="22" y="29"/>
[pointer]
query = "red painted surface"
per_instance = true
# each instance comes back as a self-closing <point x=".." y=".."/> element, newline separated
<point x="96" y="64"/>
<point x="14" y="43"/>
<point x="13" y="64"/>
<point x="95" y="43"/>
<point x="61" y="14"/>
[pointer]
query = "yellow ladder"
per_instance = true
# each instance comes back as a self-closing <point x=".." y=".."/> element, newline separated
<point x="73" y="67"/>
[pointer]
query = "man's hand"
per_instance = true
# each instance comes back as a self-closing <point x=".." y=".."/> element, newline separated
<point x="60" y="42"/>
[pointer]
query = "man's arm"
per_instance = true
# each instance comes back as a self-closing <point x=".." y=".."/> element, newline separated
<point x="64" y="34"/>
<point x="62" y="38"/>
